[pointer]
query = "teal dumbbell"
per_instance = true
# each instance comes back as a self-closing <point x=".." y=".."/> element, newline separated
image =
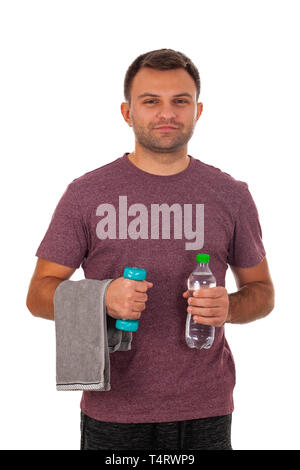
<point x="137" y="274"/>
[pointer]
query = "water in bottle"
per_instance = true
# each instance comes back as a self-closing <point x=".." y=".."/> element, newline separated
<point x="197" y="335"/>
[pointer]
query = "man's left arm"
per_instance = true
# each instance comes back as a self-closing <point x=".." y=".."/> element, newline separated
<point x="253" y="300"/>
<point x="256" y="295"/>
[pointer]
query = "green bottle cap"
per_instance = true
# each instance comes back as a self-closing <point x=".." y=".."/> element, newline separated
<point x="202" y="258"/>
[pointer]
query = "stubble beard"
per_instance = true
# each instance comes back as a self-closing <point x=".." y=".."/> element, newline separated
<point x="163" y="144"/>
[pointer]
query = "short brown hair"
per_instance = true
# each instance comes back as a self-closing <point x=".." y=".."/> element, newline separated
<point x="160" y="59"/>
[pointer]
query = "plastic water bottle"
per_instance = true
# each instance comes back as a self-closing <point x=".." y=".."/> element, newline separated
<point x="197" y="335"/>
<point x="137" y="274"/>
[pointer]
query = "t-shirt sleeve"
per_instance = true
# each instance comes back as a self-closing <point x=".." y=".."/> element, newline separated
<point x="65" y="241"/>
<point x="246" y="247"/>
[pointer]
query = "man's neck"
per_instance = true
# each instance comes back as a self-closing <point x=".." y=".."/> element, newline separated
<point x="160" y="163"/>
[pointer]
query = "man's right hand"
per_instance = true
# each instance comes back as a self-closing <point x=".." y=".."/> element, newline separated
<point x="126" y="298"/>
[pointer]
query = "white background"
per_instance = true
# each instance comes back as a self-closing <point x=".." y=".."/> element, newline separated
<point x="62" y="70"/>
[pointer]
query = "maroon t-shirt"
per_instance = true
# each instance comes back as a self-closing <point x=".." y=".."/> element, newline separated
<point x="119" y="215"/>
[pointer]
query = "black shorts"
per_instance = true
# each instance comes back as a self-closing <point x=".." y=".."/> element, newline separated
<point x="196" y="434"/>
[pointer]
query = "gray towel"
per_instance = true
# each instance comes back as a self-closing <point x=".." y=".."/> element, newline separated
<point x="85" y="335"/>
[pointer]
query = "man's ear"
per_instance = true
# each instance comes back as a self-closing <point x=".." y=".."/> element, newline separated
<point x="199" y="110"/>
<point x="125" y="110"/>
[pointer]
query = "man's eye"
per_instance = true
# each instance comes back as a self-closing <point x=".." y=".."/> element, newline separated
<point x="180" y="101"/>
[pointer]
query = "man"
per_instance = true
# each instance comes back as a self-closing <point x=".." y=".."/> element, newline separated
<point x="163" y="394"/>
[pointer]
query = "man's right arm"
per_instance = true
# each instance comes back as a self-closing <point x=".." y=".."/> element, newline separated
<point x="46" y="277"/>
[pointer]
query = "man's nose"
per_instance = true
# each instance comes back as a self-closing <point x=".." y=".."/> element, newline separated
<point x="166" y="112"/>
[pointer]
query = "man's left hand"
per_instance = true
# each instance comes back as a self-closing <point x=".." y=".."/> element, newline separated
<point x="209" y="306"/>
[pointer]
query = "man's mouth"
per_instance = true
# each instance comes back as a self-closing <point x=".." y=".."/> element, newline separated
<point x="166" y="128"/>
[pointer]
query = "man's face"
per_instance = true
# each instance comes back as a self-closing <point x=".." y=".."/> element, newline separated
<point x="163" y="98"/>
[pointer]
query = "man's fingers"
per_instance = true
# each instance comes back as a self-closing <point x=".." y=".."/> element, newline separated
<point x="142" y="286"/>
<point x="139" y="306"/>
<point x="139" y="296"/>
<point x="204" y="312"/>
<point x="209" y="292"/>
